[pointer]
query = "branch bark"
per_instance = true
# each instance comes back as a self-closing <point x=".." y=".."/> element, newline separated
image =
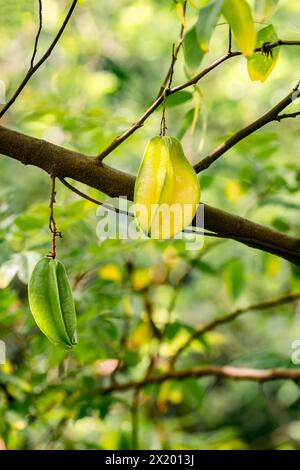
<point x="193" y="81"/>
<point x="232" y="316"/>
<point x="272" y="115"/>
<point x="65" y="163"/>
<point x="34" y="68"/>
<point x="235" y="373"/>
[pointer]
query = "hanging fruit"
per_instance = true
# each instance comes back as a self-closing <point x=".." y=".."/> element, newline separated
<point x="51" y="302"/>
<point x="167" y="190"/>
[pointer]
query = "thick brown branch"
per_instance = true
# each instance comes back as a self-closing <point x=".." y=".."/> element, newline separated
<point x="235" y="373"/>
<point x="272" y="115"/>
<point x="65" y="163"/>
<point x="232" y="316"/>
<point x="34" y="68"/>
<point x="252" y="234"/>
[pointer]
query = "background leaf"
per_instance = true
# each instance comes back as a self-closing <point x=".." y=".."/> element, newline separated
<point x="265" y="8"/>
<point x="207" y="19"/>
<point x="239" y="17"/>
<point x="193" y="55"/>
<point x="261" y="65"/>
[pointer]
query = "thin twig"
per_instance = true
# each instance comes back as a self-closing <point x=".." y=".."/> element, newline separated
<point x="193" y="81"/>
<point x="229" y="40"/>
<point x="52" y="222"/>
<point x="148" y="306"/>
<point x="232" y="316"/>
<point x="163" y="125"/>
<point x="38" y="34"/>
<point x="135" y="419"/>
<point x="35" y="67"/>
<point x="234" y="373"/>
<point x="94" y="201"/>
<point x="272" y="115"/>
<point x="121" y="211"/>
<point x="287" y="116"/>
<point x="155" y="357"/>
<point x="168" y="78"/>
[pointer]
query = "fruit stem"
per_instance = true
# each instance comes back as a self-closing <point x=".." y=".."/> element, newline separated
<point x="52" y="222"/>
<point x="163" y="124"/>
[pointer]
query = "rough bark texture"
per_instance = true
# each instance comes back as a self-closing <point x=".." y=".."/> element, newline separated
<point x="64" y="163"/>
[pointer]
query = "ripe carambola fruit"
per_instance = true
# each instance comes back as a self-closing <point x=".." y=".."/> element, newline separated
<point x="167" y="190"/>
<point x="51" y="302"/>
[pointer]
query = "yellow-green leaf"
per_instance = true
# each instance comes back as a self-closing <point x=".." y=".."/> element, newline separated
<point x="207" y="18"/>
<point x="180" y="13"/>
<point x="193" y="55"/>
<point x="265" y="8"/>
<point x="260" y="65"/>
<point x="110" y="272"/>
<point x="239" y="17"/>
<point x="198" y="3"/>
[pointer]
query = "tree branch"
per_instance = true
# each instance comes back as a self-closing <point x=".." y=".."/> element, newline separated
<point x="34" y="68"/>
<point x="235" y="373"/>
<point x="175" y="52"/>
<point x="232" y="316"/>
<point x="65" y="163"/>
<point x="193" y="81"/>
<point x="38" y="34"/>
<point x="272" y="115"/>
<point x="140" y="122"/>
<point x="287" y="116"/>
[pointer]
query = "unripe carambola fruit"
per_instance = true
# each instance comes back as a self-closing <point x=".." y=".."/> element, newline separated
<point x="167" y="190"/>
<point x="51" y="302"/>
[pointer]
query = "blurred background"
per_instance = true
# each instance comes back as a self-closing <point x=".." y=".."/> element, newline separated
<point x="103" y="74"/>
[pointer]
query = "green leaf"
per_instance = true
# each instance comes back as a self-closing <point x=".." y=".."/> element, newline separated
<point x="207" y="18"/>
<point x="192" y="391"/>
<point x="234" y="277"/>
<point x="27" y="222"/>
<point x="198" y="3"/>
<point x="261" y="65"/>
<point x="8" y="271"/>
<point x="186" y="123"/>
<point x="239" y="17"/>
<point x="202" y="266"/>
<point x="178" y="98"/>
<point x="193" y="55"/>
<point x="265" y="8"/>
<point x="27" y="261"/>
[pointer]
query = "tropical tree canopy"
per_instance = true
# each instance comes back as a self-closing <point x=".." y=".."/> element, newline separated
<point x="114" y="335"/>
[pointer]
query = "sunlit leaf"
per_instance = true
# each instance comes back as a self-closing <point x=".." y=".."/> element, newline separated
<point x="207" y="18"/>
<point x="141" y="278"/>
<point x="180" y="13"/>
<point x="110" y="272"/>
<point x="178" y="98"/>
<point x="198" y="3"/>
<point x="264" y="9"/>
<point x="273" y="265"/>
<point x="8" y="271"/>
<point x="193" y="55"/>
<point x="260" y="65"/>
<point x="233" y="190"/>
<point x="239" y="17"/>
<point x="234" y="277"/>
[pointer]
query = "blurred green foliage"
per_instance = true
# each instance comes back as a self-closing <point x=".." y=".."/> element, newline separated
<point x="105" y="71"/>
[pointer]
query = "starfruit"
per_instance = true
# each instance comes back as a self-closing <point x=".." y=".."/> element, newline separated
<point x="51" y="302"/>
<point x="167" y="190"/>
